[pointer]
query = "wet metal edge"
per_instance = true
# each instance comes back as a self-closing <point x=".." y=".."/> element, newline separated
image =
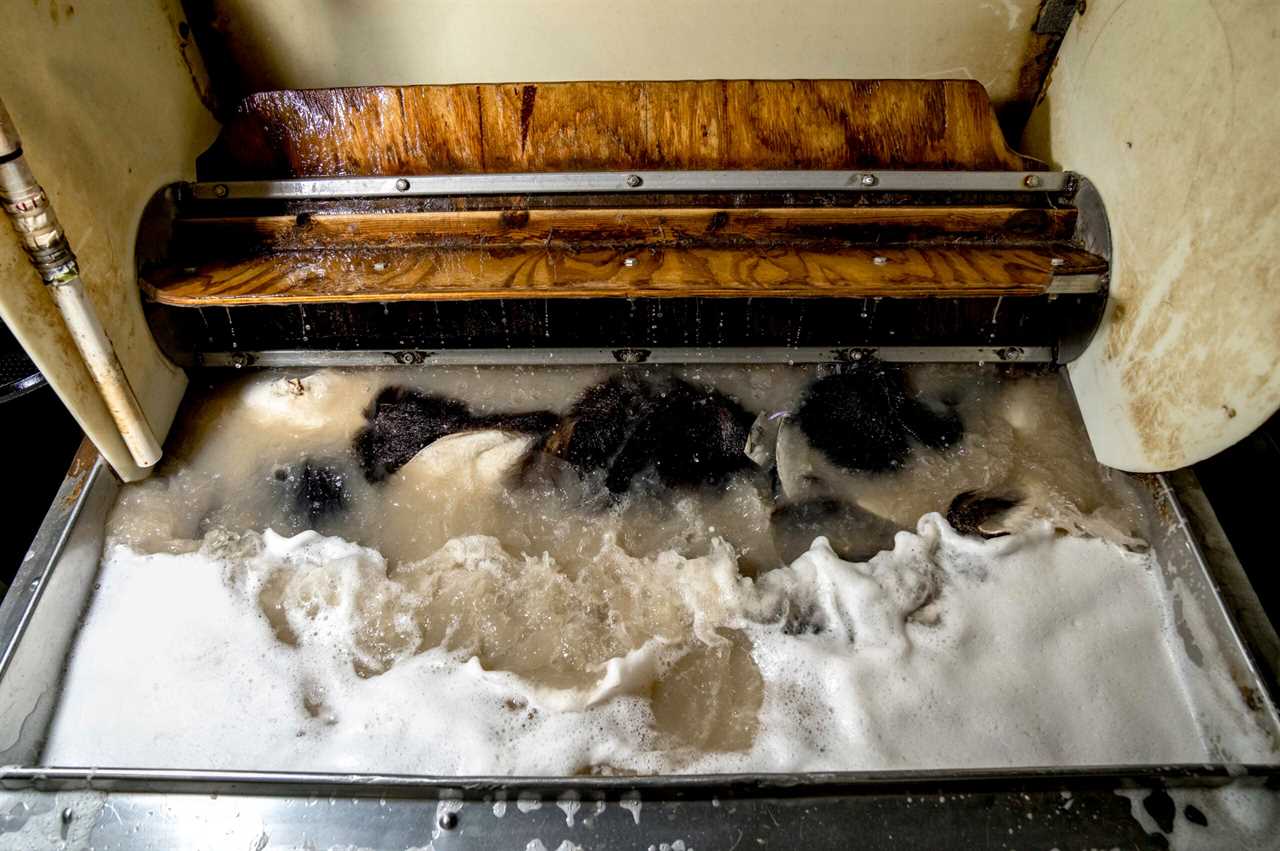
<point x="598" y="356"/>
<point x="33" y="576"/>
<point x="624" y="181"/>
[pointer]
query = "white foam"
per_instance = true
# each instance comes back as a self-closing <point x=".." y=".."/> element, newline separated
<point x="947" y="652"/>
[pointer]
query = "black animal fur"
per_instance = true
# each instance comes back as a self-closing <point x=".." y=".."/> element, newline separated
<point x="628" y="425"/>
<point x="864" y="420"/>
<point x="316" y="490"/>
<point x="402" y="422"/>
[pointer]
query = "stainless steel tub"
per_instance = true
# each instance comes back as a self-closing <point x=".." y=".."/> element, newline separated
<point x="131" y="806"/>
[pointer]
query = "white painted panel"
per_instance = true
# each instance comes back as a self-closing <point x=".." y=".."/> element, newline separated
<point x="304" y="44"/>
<point x="108" y="113"/>
<point x="1170" y="108"/>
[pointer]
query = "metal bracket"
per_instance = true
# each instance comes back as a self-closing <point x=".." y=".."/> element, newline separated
<point x="1080" y="320"/>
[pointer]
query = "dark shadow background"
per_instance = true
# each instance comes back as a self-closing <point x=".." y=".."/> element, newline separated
<point x="1238" y="483"/>
<point x="39" y="437"/>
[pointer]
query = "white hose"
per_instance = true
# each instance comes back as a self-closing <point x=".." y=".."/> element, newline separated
<point x="100" y="358"/>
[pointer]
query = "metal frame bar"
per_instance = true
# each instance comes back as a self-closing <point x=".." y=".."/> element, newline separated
<point x="591" y="357"/>
<point x="632" y="181"/>
<point x="1094" y="808"/>
<point x="23" y="386"/>
<point x="29" y="585"/>
<point x="688" y="785"/>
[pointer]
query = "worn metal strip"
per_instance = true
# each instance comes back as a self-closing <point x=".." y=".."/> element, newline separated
<point x="33" y="574"/>
<point x="624" y="181"/>
<point x="589" y="357"/>
<point x="1074" y="284"/>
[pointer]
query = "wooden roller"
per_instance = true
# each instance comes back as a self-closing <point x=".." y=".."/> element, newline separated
<point x="279" y="246"/>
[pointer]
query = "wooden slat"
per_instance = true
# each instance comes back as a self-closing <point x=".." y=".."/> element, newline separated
<point x="737" y="124"/>
<point x="455" y="274"/>
<point x="624" y="226"/>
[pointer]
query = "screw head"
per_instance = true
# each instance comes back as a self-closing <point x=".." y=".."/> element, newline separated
<point x="634" y="180"/>
<point x="448" y="821"/>
<point x="869" y="180"/>
<point x="221" y="190"/>
<point x="629" y="262"/>
<point x="880" y="261"/>
<point x="1031" y="181"/>
<point x="1057" y="261"/>
<point x="67" y="816"/>
<point x="402" y="185"/>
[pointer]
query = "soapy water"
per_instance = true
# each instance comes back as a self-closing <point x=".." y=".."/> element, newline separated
<point x="1021" y="437"/>
<point x="456" y="619"/>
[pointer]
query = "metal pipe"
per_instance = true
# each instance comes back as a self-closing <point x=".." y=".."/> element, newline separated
<point x="46" y="245"/>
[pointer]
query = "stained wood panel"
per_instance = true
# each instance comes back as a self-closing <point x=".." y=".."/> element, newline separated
<point x="656" y="227"/>
<point x="541" y="127"/>
<point x="453" y="274"/>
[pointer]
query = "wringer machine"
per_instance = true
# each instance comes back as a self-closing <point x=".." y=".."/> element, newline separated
<point x="738" y="222"/>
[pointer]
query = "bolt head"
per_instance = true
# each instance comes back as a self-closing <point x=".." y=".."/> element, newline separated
<point x="1031" y="181"/>
<point x="221" y="190"/>
<point x="634" y="180"/>
<point x="869" y="180"/>
<point x="448" y="821"/>
<point x="629" y="262"/>
<point x="402" y="185"/>
<point x="880" y="261"/>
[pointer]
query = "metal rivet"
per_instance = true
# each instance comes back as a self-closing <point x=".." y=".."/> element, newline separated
<point x="1057" y="261"/>
<point x="221" y="190"/>
<point x="630" y="261"/>
<point x="634" y="180"/>
<point x="448" y="821"/>
<point x="1031" y="181"/>
<point x="880" y="261"/>
<point x="869" y="180"/>
<point x="67" y="816"/>
<point x="402" y="185"/>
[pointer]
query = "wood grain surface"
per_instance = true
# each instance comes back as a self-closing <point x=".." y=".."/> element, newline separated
<point x="397" y="274"/>
<point x="588" y="126"/>
<point x="657" y="227"/>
